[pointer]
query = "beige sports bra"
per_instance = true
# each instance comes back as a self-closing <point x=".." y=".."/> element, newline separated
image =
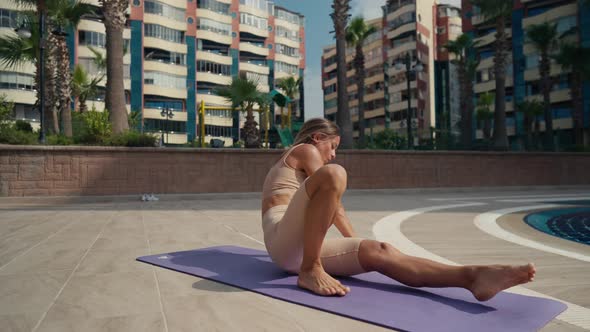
<point x="283" y="179"/>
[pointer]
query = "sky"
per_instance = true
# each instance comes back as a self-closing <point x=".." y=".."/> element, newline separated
<point x="318" y="25"/>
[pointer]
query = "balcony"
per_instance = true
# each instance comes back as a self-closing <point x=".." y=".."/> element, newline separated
<point x="254" y="48"/>
<point x="254" y="68"/>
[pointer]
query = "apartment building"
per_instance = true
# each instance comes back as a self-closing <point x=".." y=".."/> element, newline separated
<point x="178" y="54"/>
<point x="417" y="28"/>
<point x="522" y="79"/>
<point x="446" y="80"/>
<point x="374" y="100"/>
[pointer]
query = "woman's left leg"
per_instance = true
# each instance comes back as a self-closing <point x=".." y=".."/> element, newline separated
<point x="484" y="281"/>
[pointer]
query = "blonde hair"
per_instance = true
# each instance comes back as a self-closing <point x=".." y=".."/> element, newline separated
<point x="316" y="126"/>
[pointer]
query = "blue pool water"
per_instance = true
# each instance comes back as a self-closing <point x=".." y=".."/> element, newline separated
<point x="567" y="223"/>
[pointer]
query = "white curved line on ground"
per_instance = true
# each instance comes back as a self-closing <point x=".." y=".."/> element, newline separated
<point x="559" y="199"/>
<point x="549" y="196"/>
<point x="487" y="223"/>
<point x="388" y="229"/>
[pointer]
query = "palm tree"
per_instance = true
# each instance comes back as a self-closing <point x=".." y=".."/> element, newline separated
<point x="83" y="87"/>
<point x="531" y="110"/>
<point x="243" y="94"/>
<point x="16" y="51"/>
<point x="574" y="58"/>
<point x="484" y="113"/>
<point x="340" y="18"/>
<point x="499" y="11"/>
<point x="356" y="34"/>
<point x="466" y="68"/>
<point x="65" y="14"/>
<point x="290" y="87"/>
<point x="281" y="102"/>
<point x="544" y="38"/>
<point x="114" y="22"/>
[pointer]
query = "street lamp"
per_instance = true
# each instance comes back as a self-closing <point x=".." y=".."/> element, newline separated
<point x="167" y="114"/>
<point x="410" y="69"/>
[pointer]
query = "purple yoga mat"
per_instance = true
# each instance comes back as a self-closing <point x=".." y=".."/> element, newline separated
<point x="374" y="298"/>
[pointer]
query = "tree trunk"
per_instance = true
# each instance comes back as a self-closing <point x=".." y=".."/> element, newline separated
<point x="487" y="129"/>
<point x="528" y="141"/>
<point x="359" y="62"/>
<point x="82" y="105"/>
<point x="50" y="88"/>
<point x="340" y="17"/>
<point x="466" y="105"/>
<point x="537" y="132"/>
<point x="114" y="11"/>
<point x="63" y="85"/>
<point x="544" y="72"/>
<point x="251" y="133"/>
<point x="500" y="135"/>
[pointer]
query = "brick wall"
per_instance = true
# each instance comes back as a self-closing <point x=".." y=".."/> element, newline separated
<point x="63" y="171"/>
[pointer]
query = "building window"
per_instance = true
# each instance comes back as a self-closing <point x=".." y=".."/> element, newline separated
<point x="258" y="4"/>
<point x="164" y="33"/>
<point x="214" y="26"/>
<point x="213" y="68"/>
<point x="254" y="21"/>
<point x="405" y="18"/>
<point x="8" y="18"/>
<point x="287" y="33"/>
<point x="163" y="125"/>
<point x="287" y="68"/>
<point x="258" y="78"/>
<point x="289" y="17"/>
<point x="91" y="38"/>
<point x="16" y="81"/>
<point x="162" y="9"/>
<point x="214" y="6"/>
<point x="287" y="50"/>
<point x="164" y="80"/>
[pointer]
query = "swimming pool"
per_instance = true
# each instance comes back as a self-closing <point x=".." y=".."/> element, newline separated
<point x="567" y="223"/>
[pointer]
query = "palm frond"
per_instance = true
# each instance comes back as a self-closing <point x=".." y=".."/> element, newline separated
<point x="16" y="51"/>
<point x="543" y="36"/>
<point x="491" y="10"/>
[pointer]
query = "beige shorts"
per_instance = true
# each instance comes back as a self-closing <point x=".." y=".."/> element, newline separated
<point x="283" y="237"/>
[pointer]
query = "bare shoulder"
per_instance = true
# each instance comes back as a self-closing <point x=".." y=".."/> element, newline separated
<point x="306" y="152"/>
<point x="306" y="158"/>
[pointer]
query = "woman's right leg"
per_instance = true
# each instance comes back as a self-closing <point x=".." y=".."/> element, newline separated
<point x="324" y="189"/>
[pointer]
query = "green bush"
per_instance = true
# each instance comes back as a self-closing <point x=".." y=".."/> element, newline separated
<point x="59" y="140"/>
<point x="9" y="135"/>
<point x="23" y="126"/>
<point x="388" y="139"/>
<point x="92" y="127"/>
<point x="132" y="138"/>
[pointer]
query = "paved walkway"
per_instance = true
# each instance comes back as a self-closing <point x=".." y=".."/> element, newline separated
<point x="68" y="264"/>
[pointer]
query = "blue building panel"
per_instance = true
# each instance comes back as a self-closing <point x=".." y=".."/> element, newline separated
<point x="302" y="95"/>
<point x="191" y="80"/>
<point x="235" y="70"/>
<point x="584" y="17"/>
<point x="271" y="84"/>
<point x="518" y="66"/>
<point x="136" y="68"/>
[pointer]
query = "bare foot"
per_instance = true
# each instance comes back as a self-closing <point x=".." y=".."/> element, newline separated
<point x="321" y="283"/>
<point x="490" y="280"/>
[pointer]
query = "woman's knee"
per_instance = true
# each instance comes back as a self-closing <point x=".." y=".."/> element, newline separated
<point x="373" y="255"/>
<point x="334" y="177"/>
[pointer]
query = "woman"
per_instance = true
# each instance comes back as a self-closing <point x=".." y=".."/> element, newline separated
<point x="301" y="200"/>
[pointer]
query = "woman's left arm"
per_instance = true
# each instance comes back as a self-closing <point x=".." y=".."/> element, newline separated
<point x="342" y="223"/>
